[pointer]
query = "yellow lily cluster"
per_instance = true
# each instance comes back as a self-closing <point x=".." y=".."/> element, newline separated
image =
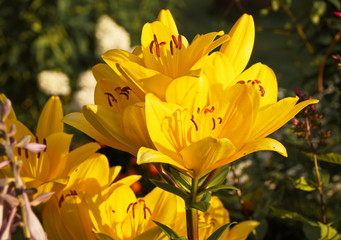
<point x="87" y="202"/>
<point x="178" y="103"/>
<point x="171" y="102"/>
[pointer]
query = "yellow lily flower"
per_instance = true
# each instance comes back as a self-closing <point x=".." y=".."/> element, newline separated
<point x="209" y="222"/>
<point x="122" y="216"/>
<point x="66" y="215"/>
<point x="218" y="216"/>
<point x="56" y="160"/>
<point x="164" y="55"/>
<point x="117" y="119"/>
<point x="198" y="136"/>
<point x="239" y="48"/>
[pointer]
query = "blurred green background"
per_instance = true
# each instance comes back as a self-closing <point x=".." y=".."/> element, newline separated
<point x="298" y="39"/>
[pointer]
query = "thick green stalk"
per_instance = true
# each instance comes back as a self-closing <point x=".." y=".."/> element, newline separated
<point x="192" y="214"/>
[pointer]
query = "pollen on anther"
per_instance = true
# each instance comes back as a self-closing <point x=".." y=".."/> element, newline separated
<point x="171" y="47"/>
<point x="213" y="124"/>
<point x="180" y="41"/>
<point x="151" y="47"/>
<point x="262" y="90"/>
<point x="195" y="124"/>
<point x="157" y="48"/>
<point x="175" y="41"/>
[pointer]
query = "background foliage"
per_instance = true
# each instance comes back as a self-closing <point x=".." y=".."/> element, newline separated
<point x="297" y="38"/>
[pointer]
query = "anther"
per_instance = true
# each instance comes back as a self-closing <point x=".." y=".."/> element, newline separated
<point x="171" y="47"/>
<point x="175" y="41"/>
<point x="198" y="110"/>
<point x="195" y="124"/>
<point x="180" y="41"/>
<point x="26" y="153"/>
<point x="241" y="82"/>
<point x="151" y="47"/>
<point x="220" y="120"/>
<point x="157" y="48"/>
<point x="155" y="40"/>
<point x="19" y="151"/>
<point x="111" y="98"/>
<point x="262" y="91"/>
<point x="145" y="209"/>
<point x="213" y="124"/>
<point x="61" y="200"/>
<point x="125" y="94"/>
<point x="45" y="143"/>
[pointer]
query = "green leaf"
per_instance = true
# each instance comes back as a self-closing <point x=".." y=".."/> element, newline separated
<point x="169" y="232"/>
<point x="203" y="205"/>
<point x="284" y="214"/>
<point x="304" y="184"/>
<point x="320" y="231"/>
<point x="336" y="3"/>
<point x="180" y="178"/>
<point x="216" y="188"/>
<point x="220" y="178"/>
<point x="102" y="236"/>
<point x="169" y="188"/>
<point x="217" y="234"/>
<point x="328" y="157"/>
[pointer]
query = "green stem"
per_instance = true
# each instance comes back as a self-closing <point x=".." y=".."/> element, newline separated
<point x="192" y="214"/>
<point x="317" y="172"/>
<point x="320" y="190"/>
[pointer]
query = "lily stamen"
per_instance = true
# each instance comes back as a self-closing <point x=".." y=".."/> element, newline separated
<point x="111" y="98"/>
<point x="195" y="124"/>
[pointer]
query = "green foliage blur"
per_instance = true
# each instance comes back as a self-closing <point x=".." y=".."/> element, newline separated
<point x="298" y="39"/>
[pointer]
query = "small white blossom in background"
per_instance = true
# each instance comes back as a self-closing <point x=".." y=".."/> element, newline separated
<point x="109" y="35"/>
<point x="54" y="83"/>
<point x="85" y="94"/>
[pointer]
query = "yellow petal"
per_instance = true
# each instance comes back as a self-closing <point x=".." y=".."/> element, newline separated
<point x="79" y="154"/>
<point x="78" y="121"/>
<point x="189" y="92"/>
<point x="239" y="47"/>
<point x="50" y="120"/>
<point x="202" y="155"/>
<point x="157" y="201"/>
<point x="242" y="230"/>
<point x="103" y="71"/>
<point x="167" y="19"/>
<point x="53" y="223"/>
<point x="58" y="145"/>
<point x="148" y="80"/>
<point x="90" y="174"/>
<point x="109" y="124"/>
<point x="167" y="124"/>
<point x="268" y="88"/>
<point x="220" y="74"/>
<point x="135" y="126"/>
<point x="147" y="155"/>
<point x="75" y="215"/>
<point x="203" y="45"/>
<point x="114" y="56"/>
<point x="265" y="144"/>
<point x="115" y="95"/>
<point x="276" y="115"/>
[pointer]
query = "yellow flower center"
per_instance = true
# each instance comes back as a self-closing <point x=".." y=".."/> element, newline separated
<point x="139" y="215"/>
<point x="255" y="83"/>
<point x="64" y="196"/>
<point x="176" y="41"/>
